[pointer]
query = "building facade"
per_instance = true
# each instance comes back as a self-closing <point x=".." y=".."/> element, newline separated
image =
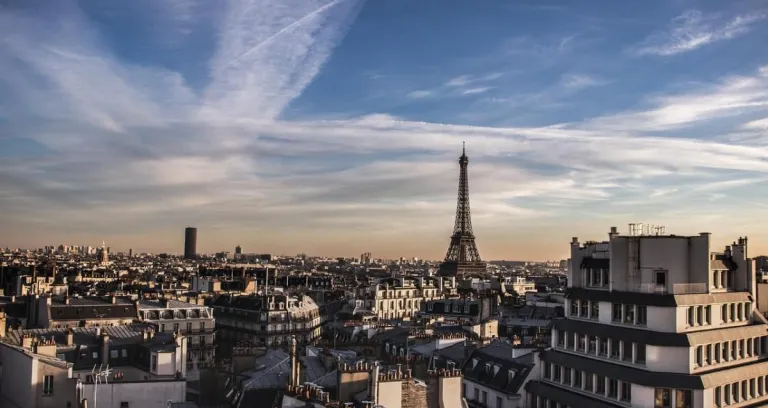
<point x="656" y="321"/>
<point x="195" y="322"/>
<point x="268" y="320"/>
<point x="397" y="298"/>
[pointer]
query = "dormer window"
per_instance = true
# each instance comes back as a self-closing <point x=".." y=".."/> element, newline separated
<point x="474" y="363"/>
<point x="487" y="367"/>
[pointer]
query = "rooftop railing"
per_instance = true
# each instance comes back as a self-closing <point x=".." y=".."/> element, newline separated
<point x="673" y="289"/>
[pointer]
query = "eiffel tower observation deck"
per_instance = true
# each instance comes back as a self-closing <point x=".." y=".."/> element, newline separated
<point x="462" y="258"/>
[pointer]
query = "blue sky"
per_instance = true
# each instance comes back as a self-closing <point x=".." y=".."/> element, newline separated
<point x="333" y="127"/>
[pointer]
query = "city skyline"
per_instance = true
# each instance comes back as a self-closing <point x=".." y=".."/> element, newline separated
<point x="333" y="127"/>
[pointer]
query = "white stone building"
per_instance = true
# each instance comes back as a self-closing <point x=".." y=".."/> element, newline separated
<point x="656" y="321"/>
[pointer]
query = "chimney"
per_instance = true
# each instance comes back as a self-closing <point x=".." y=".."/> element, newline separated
<point x="614" y="232"/>
<point x="105" y="348"/>
<point x="374" y="392"/>
<point x="113" y="299"/>
<point x="84" y="403"/>
<point x="46" y="347"/>
<point x="26" y="341"/>
<point x="3" y="324"/>
<point x="70" y="338"/>
<point x="295" y="378"/>
<point x="575" y="241"/>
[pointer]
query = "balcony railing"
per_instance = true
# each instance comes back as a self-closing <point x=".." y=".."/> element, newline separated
<point x="673" y="289"/>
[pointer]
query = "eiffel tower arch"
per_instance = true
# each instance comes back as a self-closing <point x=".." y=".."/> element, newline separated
<point x="462" y="256"/>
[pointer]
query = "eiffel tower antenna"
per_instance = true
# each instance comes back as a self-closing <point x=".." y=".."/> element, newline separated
<point x="462" y="256"/>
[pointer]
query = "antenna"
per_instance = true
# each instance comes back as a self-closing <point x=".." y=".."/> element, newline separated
<point x="102" y="374"/>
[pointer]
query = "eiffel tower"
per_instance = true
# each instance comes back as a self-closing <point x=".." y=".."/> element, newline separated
<point x="462" y="257"/>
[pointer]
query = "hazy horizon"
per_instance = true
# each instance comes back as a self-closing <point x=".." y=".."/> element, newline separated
<point x="334" y="127"/>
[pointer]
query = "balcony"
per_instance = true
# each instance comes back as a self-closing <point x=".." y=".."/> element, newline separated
<point x="673" y="289"/>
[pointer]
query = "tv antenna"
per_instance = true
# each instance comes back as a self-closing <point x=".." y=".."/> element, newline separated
<point x="99" y="375"/>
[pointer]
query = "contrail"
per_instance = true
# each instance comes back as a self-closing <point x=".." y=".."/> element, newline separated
<point x="277" y="34"/>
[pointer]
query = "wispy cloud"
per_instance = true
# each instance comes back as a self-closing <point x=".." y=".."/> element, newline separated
<point x="419" y="94"/>
<point x="269" y="52"/>
<point x="474" y="91"/>
<point x="579" y="81"/>
<point x="693" y="30"/>
<point x="733" y="95"/>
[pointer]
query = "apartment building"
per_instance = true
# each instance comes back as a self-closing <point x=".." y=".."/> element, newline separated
<point x="88" y="311"/>
<point x="131" y="366"/>
<point x="195" y="322"/>
<point x="269" y="320"/>
<point x="656" y="320"/>
<point x="397" y="298"/>
<point x="495" y="376"/>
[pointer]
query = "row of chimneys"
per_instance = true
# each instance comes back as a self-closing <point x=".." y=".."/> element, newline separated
<point x="309" y="392"/>
<point x="395" y="374"/>
<point x="454" y="372"/>
<point x="357" y="367"/>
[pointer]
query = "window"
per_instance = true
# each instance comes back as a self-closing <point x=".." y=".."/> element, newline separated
<point x="691" y="316"/>
<point x="547" y="371"/>
<point x="584" y="309"/>
<point x="642" y="315"/>
<point x="592" y="345"/>
<point x="595" y="310"/>
<point x="603" y="346"/>
<point x="577" y="374"/>
<point x="718" y="396"/>
<point x="499" y="402"/>
<point x="708" y="315"/>
<point x="569" y="340"/>
<point x="698" y="356"/>
<point x="626" y="391"/>
<point x="700" y="315"/>
<point x="95" y="355"/>
<point x="732" y="312"/>
<point x="615" y="348"/>
<point x="707" y="354"/>
<point x="48" y="385"/>
<point x="600" y="383"/>
<point x="582" y="342"/>
<point x="154" y="362"/>
<point x="189" y="327"/>
<point x="485" y="397"/>
<point x="663" y="398"/>
<point x="605" y="277"/>
<point x="125" y="353"/>
<point x="616" y="317"/>
<point x="684" y="399"/>
<point x="125" y="405"/>
<point x="747" y="310"/>
<point x="629" y="314"/>
<point x="640" y="353"/>
<point x="613" y="388"/>
<point x="574" y="307"/>
<point x="477" y="394"/>
<point x="556" y="372"/>
<point x="567" y="375"/>
<point x="627" y="351"/>
<point x="561" y="335"/>
<point x="718" y="348"/>
<point x="113" y="354"/>
<point x="589" y="382"/>
<point x="740" y="313"/>
<point x="724" y="313"/>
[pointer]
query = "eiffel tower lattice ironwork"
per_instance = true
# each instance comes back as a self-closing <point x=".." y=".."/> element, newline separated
<point x="462" y="256"/>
